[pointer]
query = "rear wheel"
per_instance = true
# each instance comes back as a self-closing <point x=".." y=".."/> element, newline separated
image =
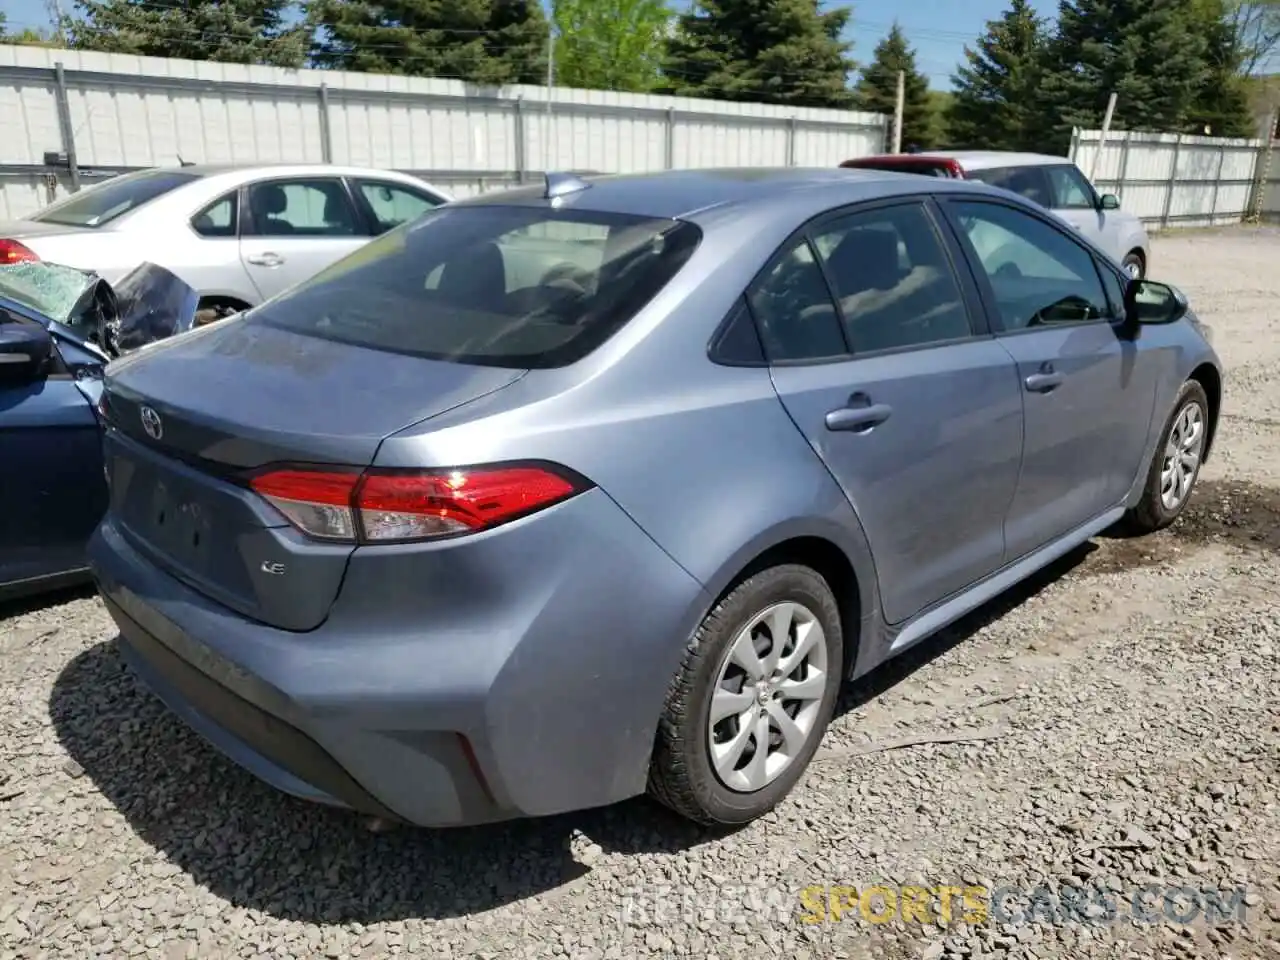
<point x="1176" y="463"/>
<point x="752" y="699"/>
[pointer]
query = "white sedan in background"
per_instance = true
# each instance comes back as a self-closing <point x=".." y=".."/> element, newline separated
<point x="238" y="235"/>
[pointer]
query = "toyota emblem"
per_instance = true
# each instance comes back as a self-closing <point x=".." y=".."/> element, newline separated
<point x="151" y="423"/>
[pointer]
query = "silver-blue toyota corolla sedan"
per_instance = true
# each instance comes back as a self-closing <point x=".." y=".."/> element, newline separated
<point x="561" y="495"/>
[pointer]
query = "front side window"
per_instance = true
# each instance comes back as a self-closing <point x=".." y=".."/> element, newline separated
<point x="1071" y="191"/>
<point x="302" y="208"/>
<point x="1037" y="273"/>
<point x="503" y="286"/>
<point x="793" y="308"/>
<point x="892" y="279"/>
<point x="393" y="204"/>
<point x="104" y="202"/>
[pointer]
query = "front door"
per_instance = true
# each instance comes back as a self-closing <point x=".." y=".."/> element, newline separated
<point x="917" y="416"/>
<point x="1076" y="202"/>
<point x="293" y="228"/>
<point x="1086" y="403"/>
<point x="51" y="480"/>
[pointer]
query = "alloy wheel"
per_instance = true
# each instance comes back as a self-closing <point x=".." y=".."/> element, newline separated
<point x="767" y="700"/>
<point x="1182" y="456"/>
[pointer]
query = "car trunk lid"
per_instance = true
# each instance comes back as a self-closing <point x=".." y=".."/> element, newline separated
<point x="194" y="417"/>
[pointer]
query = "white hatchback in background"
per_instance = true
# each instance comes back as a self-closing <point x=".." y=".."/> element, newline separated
<point x="238" y="235"/>
<point x="1055" y="183"/>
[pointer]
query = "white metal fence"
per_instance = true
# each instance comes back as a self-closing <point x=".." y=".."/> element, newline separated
<point x="69" y="118"/>
<point x="1173" y="180"/>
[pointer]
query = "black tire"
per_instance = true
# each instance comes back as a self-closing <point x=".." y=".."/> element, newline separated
<point x="681" y="775"/>
<point x="1150" y="514"/>
<point x="1132" y="260"/>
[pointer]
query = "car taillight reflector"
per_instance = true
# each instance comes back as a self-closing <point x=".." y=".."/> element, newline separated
<point x="391" y="506"/>
<point x="11" y="251"/>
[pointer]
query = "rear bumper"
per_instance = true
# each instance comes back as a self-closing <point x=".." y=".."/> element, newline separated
<point x="518" y="673"/>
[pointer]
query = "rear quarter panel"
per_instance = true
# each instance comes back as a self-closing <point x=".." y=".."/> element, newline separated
<point x="702" y="457"/>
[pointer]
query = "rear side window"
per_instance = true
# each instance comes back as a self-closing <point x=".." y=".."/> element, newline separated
<point x="793" y="306"/>
<point x="893" y="279"/>
<point x="501" y="286"/>
<point x="1029" y="182"/>
<point x="218" y="219"/>
<point x="101" y="204"/>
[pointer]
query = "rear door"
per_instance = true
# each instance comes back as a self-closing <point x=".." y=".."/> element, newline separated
<point x="879" y="353"/>
<point x="1087" y="400"/>
<point x="292" y="228"/>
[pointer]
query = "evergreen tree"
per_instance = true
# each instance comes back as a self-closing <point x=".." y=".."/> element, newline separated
<point x="766" y="51"/>
<point x="231" y="31"/>
<point x="1148" y="52"/>
<point x="878" y="90"/>
<point x="995" y="92"/>
<point x="490" y="42"/>
<point x="1222" y="103"/>
<point x="610" y="44"/>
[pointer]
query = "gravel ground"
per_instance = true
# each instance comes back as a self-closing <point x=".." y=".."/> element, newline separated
<point x="1125" y="742"/>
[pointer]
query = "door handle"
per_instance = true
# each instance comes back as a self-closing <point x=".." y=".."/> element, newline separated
<point x="1044" y="382"/>
<point x="858" y="418"/>
<point x="266" y="260"/>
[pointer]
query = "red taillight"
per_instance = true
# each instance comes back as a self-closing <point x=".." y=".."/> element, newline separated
<point x="390" y="506"/>
<point x="11" y="251"/>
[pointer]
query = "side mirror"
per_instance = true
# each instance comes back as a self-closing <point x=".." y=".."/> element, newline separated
<point x="1109" y="201"/>
<point x="25" y="349"/>
<point x="1147" y="302"/>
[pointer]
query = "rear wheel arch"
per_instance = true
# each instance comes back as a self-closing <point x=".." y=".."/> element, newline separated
<point x="1208" y="377"/>
<point x="830" y="562"/>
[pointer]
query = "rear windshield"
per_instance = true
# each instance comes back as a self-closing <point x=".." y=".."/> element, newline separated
<point x="494" y="285"/>
<point x="105" y="202"/>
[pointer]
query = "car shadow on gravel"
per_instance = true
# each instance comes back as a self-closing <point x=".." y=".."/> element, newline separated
<point x="262" y="850"/>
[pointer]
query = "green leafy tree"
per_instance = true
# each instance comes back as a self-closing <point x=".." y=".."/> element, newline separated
<point x="1149" y="52"/>
<point x="995" y="91"/>
<point x="1221" y="105"/>
<point x="1255" y="29"/>
<point x="232" y="31"/>
<point x="490" y="42"/>
<point x="610" y="44"/>
<point x="766" y="51"/>
<point x="878" y="90"/>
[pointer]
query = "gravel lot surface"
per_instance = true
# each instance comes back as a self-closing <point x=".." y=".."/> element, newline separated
<point x="1128" y="699"/>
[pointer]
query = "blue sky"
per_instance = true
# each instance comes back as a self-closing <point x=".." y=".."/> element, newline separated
<point x="938" y="29"/>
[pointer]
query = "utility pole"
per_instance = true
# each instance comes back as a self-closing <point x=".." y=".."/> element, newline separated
<point x="551" y="80"/>
<point x="898" y="109"/>
<point x="1102" y="136"/>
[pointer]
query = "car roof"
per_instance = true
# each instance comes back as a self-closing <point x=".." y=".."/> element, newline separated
<point x="276" y="169"/>
<point x="693" y="194"/>
<point x="972" y="159"/>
